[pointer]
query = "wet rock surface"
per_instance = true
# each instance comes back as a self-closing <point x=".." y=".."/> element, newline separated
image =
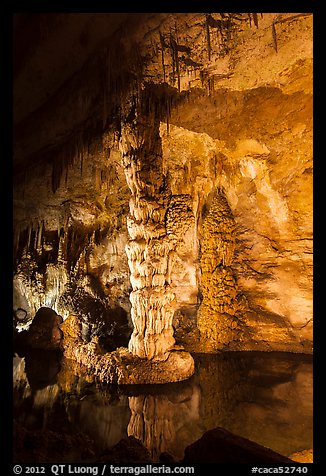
<point x="128" y="450"/>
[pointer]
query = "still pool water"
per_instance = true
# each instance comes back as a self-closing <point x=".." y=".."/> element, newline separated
<point x="266" y="397"/>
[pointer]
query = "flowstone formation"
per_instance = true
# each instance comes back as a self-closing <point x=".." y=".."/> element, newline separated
<point x="121" y="366"/>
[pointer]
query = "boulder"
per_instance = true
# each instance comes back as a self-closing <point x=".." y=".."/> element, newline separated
<point x="44" y="332"/>
<point x="127" y="450"/>
<point x="221" y="446"/>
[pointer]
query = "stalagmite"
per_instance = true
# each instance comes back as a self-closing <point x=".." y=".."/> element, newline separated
<point x="17" y="234"/>
<point x="218" y="285"/>
<point x="149" y="248"/>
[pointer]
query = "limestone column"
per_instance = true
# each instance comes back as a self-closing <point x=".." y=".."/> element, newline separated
<point x="149" y="247"/>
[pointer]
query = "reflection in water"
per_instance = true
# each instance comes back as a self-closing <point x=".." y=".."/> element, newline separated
<point x="266" y="397"/>
<point x="105" y="422"/>
<point x="162" y="422"/>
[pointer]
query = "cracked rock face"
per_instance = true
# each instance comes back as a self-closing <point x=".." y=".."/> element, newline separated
<point x="168" y="198"/>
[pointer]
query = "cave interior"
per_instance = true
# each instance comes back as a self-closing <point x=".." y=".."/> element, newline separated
<point x="162" y="233"/>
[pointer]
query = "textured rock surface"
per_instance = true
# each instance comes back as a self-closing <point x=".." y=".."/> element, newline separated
<point x="121" y="366"/>
<point x="305" y="456"/>
<point x="192" y="150"/>
<point x="218" y="285"/>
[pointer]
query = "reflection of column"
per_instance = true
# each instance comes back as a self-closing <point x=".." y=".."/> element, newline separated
<point x="152" y="423"/>
<point x="166" y="423"/>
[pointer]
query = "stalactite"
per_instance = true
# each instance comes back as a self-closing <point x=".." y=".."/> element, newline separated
<point x="66" y="177"/>
<point x="255" y="17"/>
<point x="29" y="234"/>
<point x="17" y="239"/>
<point x="168" y="114"/>
<point x="56" y="174"/>
<point x="61" y="253"/>
<point x="208" y="38"/>
<point x="105" y="109"/>
<point x="24" y="183"/>
<point x="172" y="57"/>
<point x="228" y="31"/>
<point x="81" y="164"/>
<point x="177" y="67"/>
<point x="35" y="229"/>
<point x="162" y="56"/>
<point x="274" y="37"/>
<point x="39" y="237"/>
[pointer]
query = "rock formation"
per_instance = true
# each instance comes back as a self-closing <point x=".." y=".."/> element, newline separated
<point x="163" y="184"/>
<point x="221" y="446"/>
<point x="44" y="331"/>
<point x="122" y="366"/>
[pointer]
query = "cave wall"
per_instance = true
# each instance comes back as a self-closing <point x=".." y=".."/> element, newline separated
<point x="70" y="244"/>
<point x="232" y="183"/>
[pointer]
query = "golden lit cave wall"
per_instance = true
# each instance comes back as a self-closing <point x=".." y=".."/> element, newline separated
<point x="270" y="106"/>
<point x="69" y="245"/>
